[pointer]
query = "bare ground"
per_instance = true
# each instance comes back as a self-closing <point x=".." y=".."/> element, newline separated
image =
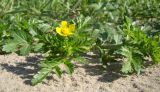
<point x="17" y="71"/>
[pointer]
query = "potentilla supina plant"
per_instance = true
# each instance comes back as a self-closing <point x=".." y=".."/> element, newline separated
<point x="65" y="29"/>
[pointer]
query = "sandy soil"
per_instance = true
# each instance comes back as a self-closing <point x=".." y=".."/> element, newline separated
<point x="17" y="71"/>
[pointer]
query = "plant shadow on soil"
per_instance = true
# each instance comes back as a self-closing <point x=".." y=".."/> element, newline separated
<point x="26" y="70"/>
<point x="109" y="74"/>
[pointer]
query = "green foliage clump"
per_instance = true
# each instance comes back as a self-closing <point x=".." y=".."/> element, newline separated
<point x="133" y="44"/>
<point x="29" y="26"/>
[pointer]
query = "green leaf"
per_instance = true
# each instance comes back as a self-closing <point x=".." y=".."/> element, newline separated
<point x="58" y="71"/>
<point x="137" y="64"/>
<point x="23" y="40"/>
<point x="128" y="20"/>
<point x="117" y="39"/>
<point x="155" y="55"/>
<point x="47" y="67"/>
<point x="20" y="36"/>
<point x="50" y="64"/>
<point x="127" y="67"/>
<point x="40" y="75"/>
<point x="38" y="46"/>
<point x="69" y="67"/>
<point x="10" y="47"/>
<point x="25" y="49"/>
<point x="32" y="32"/>
<point x="44" y="27"/>
<point x="87" y="19"/>
<point x="134" y="59"/>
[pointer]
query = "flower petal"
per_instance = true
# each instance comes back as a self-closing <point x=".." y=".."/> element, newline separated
<point x="58" y="30"/>
<point x="66" y="31"/>
<point x="64" y="24"/>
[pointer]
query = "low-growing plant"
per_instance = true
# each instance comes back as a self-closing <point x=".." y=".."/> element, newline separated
<point x="133" y="44"/>
<point x="4" y="34"/>
<point x="59" y="45"/>
<point x="34" y="26"/>
<point x="62" y="48"/>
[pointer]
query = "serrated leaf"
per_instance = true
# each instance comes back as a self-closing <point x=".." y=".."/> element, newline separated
<point x="20" y="37"/>
<point x="50" y="64"/>
<point x="137" y="64"/>
<point x="69" y="67"/>
<point x="38" y="46"/>
<point x="134" y="59"/>
<point x="10" y="47"/>
<point x="118" y="39"/>
<point x="127" y="68"/>
<point x="155" y="55"/>
<point x="23" y="41"/>
<point x="44" y="27"/>
<point x="25" y="49"/>
<point x="87" y="19"/>
<point x="40" y="75"/>
<point x="128" y="20"/>
<point x="58" y="71"/>
<point x="32" y="32"/>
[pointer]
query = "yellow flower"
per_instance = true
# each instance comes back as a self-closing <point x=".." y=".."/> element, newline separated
<point x="65" y="29"/>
